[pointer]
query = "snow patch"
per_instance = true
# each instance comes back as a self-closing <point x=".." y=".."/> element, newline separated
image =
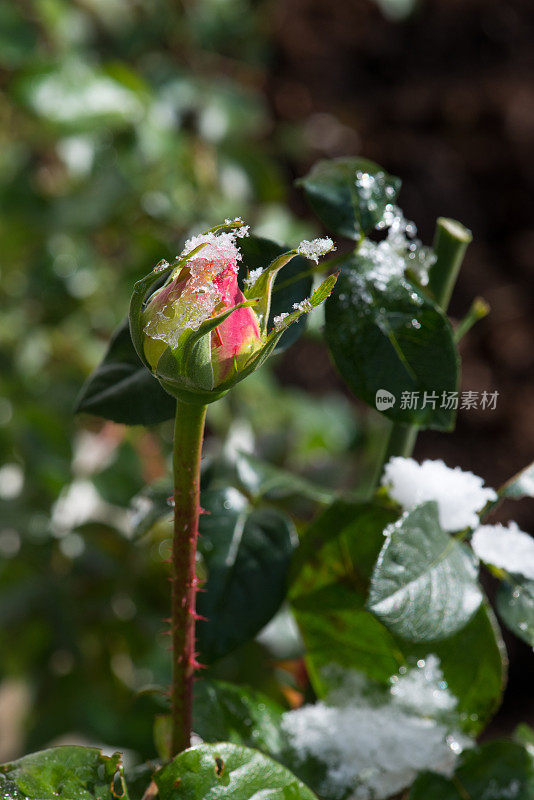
<point x="459" y="494"/>
<point x="315" y="248"/>
<point x="506" y="547"/>
<point x="373" y="745"/>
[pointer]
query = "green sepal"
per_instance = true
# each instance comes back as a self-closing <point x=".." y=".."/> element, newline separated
<point x="257" y="359"/>
<point x="232" y="225"/>
<point x="190" y="361"/>
<point x="262" y="287"/>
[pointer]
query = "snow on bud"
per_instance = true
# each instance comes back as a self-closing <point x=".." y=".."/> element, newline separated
<point x="199" y="333"/>
<point x="204" y="286"/>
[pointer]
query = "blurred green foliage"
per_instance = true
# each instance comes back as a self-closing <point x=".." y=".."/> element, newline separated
<point x="124" y="124"/>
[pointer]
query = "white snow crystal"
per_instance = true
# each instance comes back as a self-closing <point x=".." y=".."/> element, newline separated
<point x="506" y="547"/>
<point x="459" y="494"/>
<point x="253" y="276"/>
<point x="176" y="311"/>
<point x="399" y="251"/>
<point x="279" y="319"/>
<point x="217" y="247"/>
<point x="315" y="248"/>
<point x="373" y="748"/>
<point x="304" y="305"/>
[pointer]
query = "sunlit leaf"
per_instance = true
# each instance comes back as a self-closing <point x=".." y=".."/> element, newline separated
<point x="220" y="771"/>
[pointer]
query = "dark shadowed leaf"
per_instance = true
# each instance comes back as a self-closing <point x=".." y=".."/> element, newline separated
<point x="495" y="771"/>
<point x="261" y="479"/>
<point x="521" y="485"/>
<point x="515" y="604"/>
<point x="224" y="712"/>
<point x="389" y="336"/>
<point x="228" y="771"/>
<point x="292" y="284"/>
<point x="246" y="554"/>
<point x="347" y="205"/>
<point x="122" y="388"/>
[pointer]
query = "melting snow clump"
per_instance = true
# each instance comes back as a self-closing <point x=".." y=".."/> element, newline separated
<point x="399" y="251"/>
<point x="372" y="745"/>
<point x="316" y="248"/>
<point x="506" y="547"/>
<point x="459" y="494"/>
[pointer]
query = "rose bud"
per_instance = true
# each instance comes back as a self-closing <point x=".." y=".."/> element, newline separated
<point x="199" y="334"/>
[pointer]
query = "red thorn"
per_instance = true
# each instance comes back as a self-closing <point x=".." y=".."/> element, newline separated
<point x="202" y="512"/>
<point x="198" y="616"/>
<point x="196" y="665"/>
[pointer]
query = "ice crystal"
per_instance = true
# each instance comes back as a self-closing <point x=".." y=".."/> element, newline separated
<point x="373" y="745"/>
<point x="253" y="276"/>
<point x="506" y="547"/>
<point x="177" y="309"/>
<point x="399" y="251"/>
<point x="279" y="319"/>
<point x="315" y="248"/>
<point x="242" y="230"/>
<point x="459" y="494"/>
<point x="304" y="306"/>
<point x="217" y="247"/>
<point x="180" y="306"/>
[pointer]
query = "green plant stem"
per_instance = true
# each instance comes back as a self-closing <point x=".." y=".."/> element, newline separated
<point x="479" y="309"/>
<point x="451" y="240"/>
<point x="450" y="243"/>
<point x="188" y="436"/>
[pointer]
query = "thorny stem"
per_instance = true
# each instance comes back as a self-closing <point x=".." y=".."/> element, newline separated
<point x="188" y="435"/>
<point x="451" y="240"/>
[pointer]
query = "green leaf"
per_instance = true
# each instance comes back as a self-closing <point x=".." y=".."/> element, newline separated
<point x="424" y="585"/>
<point x="216" y="772"/>
<point x="261" y="479"/>
<point x="292" y="285"/>
<point x="524" y="735"/>
<point x="496" y="771"/>
<point x="68" y="772"/>
<point x="515" y="604"/>
<point x="345" y="204"/>
<point x="521" y="485"/>
<point x="329" y="590"/>
<point x="332" y="569"/>
<point x="225" y="712"/>
<point x="390" y="336"/>
<point x="246" y="554"/>
<point x="123" y="389"/>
